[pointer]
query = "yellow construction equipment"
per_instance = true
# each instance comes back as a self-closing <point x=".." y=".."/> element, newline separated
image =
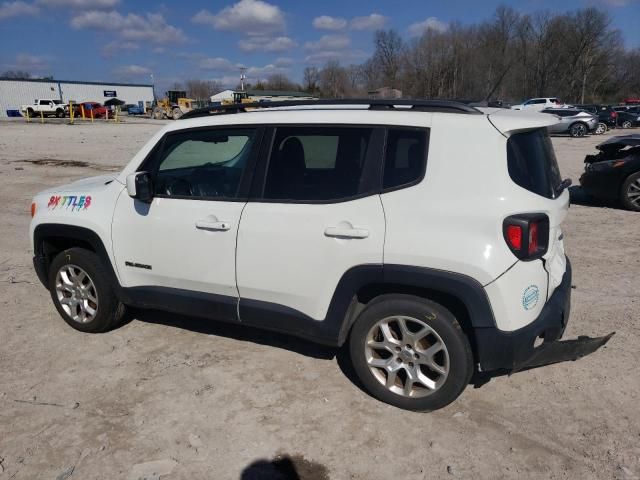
<point x="173" y="105"/>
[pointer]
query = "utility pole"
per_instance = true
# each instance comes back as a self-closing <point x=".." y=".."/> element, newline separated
<point x="242" y="78"/>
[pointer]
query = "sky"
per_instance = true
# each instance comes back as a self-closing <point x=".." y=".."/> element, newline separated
<point x="146" y="41"/>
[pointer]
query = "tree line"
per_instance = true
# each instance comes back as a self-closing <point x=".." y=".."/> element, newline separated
<point x="578" y="56"/>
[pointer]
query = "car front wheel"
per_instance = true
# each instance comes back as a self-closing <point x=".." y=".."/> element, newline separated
<point x="410" y="352"/>
<point x="81" y="291"/>
<point x="631" y="192"/>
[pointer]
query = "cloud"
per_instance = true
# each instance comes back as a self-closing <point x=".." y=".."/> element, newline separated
<point x="266" y="44"/>
<point x="79" y="4"/>
<point x="217" y="63"/>
<point x="17" y="9"/>
<point x="369" y="22"/>
<point x="321" y="57"/>
<point x="283" y="62"/>
<point x="131" y="71"/>
<point x="329" y="42"/>
<point x="432" y="23"/>
<point x="113" y="48"/>
<point x="253" y="17"/>
<point x="34" y="64"/>
<point x="326" y="22"/>
<point x="152" y="27"/>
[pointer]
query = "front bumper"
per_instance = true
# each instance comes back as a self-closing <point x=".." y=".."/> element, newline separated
<point x="500" y="350"/>
<point x="603" y="184"/>
<point x="40" y="266"/>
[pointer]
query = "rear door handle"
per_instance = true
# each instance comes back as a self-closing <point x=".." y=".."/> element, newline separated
<point x="345" y="232"/>
<point x="215" y="226"/>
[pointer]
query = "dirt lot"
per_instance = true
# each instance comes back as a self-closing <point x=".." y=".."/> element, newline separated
<point x="212" y="401"/>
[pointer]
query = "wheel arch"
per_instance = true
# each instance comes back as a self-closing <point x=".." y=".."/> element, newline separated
<point x="462" y="295"/>
<point x="49" y="239"/>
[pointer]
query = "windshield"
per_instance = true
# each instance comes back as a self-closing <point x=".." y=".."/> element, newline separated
<point x="532" y="162"/>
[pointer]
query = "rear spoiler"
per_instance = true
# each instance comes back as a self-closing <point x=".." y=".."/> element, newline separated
<point x="508" y="121"/>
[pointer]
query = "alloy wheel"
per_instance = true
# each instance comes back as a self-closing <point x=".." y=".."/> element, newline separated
<point x="407" y="356"/>
<point x="76" y="293"/>
<point x="633" y="192"/>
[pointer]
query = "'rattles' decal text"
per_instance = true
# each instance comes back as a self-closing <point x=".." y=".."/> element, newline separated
<point x="73" y="202"/>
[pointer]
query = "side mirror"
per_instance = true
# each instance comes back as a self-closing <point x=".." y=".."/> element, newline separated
<point x="139" y="186"/>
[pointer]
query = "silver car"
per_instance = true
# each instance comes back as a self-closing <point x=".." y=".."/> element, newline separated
<point x="576" y="123"/>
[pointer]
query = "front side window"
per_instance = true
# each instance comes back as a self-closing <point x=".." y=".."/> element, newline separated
<point x="204" y="163"/>
<point x="405" y="158"/>
<point x="317" y="163"/>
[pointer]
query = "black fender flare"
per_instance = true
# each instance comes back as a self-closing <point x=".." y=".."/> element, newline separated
<point x="47" y="233"/>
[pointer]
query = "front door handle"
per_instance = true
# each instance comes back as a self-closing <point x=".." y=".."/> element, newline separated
<point x="215" y="226"/>
<point x="346" y="232"/>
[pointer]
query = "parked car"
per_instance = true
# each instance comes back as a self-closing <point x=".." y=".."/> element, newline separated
<point x="606" y="114"/>
<point x="628" y="116"/>
<point x="576" y="123"/>
<point x="538" y="104"/>
<point x="99" y="111"/>
<point x="47" y="107"/>
<point x="136" y="110"/>
<point x="614" y="172"/>
<point x="321" y="220"/>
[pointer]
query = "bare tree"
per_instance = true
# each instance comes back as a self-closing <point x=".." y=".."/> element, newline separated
<point x="202" y="89"/>
<point x="387" y="54"/>
<point x="311" y="76"/>
<point x="333" y="80"/>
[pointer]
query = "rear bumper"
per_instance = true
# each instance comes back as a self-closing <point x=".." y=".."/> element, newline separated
<point x="500" y="350"/>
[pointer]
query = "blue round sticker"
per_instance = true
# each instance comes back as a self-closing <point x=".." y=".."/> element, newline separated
<point x="530" y="297"/>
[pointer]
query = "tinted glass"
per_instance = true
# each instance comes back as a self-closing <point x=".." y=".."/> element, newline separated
<point x="532" y="162"/>
<point x="317" y="163"/>
<point x="406" y="157"/>
<point x="204" y="163"/>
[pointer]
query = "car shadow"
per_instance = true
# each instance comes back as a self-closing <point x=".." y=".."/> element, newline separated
<point x="285" y="467"/>
<point x="579" y="197"/>
<point x="236" y="331"/>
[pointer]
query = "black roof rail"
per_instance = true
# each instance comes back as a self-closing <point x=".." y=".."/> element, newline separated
<point x="447" y="106"/>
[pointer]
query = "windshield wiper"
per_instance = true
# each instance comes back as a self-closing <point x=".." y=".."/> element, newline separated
<point x="564" y="184"/>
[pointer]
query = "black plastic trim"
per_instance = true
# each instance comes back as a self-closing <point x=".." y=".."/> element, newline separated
<point x="500" y="350"/>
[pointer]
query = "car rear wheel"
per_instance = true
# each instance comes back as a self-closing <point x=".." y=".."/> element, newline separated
<point x="631" y="192"/>
<point x="627" y="124"/>
<point x="600" y="129"/>
<point x="410" y="352"/>
<point x="80" y="289"/>
<point x="578" y="130"/>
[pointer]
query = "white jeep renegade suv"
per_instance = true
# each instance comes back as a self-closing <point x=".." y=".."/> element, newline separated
<point x="425" y="235"/>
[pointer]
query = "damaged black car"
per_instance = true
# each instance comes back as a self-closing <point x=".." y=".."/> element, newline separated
<point x="613" y="174"/>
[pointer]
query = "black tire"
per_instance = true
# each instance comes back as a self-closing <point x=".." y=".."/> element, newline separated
<point x="600" y="129"/>
<point x="578" y="129"/>
<point x="60" y="113"/>
<point x="109" y="312"/>
<point x="630" y="191"/>
<point x="440" y="321"/>
<point x="30" y="112"/>
<point x="627" y="124"/>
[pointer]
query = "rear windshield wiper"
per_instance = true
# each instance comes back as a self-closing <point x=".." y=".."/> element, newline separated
<point x="566" y="183"/>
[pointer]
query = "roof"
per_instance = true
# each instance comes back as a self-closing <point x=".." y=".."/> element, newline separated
<point x="77" y="82"/>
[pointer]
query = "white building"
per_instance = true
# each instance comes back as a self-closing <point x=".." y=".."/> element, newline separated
<point x="14" y="93"/>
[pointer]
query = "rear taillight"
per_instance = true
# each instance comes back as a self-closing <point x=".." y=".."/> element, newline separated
<point x="527" y="235"/>
<point x="614" y="114"/>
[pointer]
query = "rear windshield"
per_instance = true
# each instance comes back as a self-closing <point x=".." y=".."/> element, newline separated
<point x="532" y="162"/>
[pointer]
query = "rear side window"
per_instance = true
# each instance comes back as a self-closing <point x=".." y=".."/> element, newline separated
<point x="532" y="162"/>
<point x="406" y="157"/>
<point x="317" y="163"/>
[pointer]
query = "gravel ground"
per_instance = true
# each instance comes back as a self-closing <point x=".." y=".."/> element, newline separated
<point x="179" y="397"/>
